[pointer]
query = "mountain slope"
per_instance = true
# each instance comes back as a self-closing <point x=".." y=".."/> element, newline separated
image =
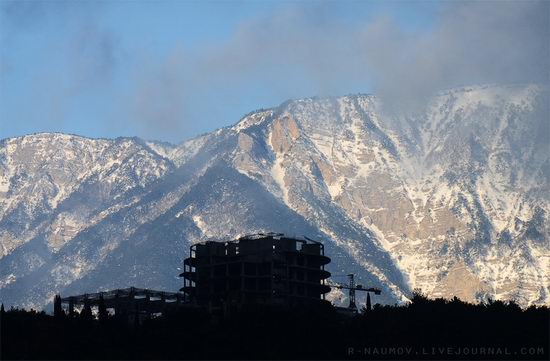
<point x="453" y="201"/>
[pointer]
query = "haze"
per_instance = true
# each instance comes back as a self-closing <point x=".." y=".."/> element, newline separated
<point x="171" y="70"/>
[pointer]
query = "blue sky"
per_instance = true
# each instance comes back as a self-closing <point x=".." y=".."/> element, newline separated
<point x="170" y="70"/>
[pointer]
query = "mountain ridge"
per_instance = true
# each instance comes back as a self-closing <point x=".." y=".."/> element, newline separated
<point x="424" y="202"/>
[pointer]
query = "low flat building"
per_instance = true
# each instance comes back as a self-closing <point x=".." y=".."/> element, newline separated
<point x="259" y="269"/>
<point x="134" y="304"/>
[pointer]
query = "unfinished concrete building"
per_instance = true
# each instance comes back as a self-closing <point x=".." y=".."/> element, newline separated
<point x="259" y="269"/>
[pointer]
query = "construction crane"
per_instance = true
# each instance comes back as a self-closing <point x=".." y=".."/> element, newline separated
<point x="352" y="287"/>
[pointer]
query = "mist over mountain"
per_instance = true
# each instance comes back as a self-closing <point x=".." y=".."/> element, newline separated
<point x="453" y="200"/>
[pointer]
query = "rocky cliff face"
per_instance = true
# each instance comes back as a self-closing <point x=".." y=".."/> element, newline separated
<point x="453" y="201"/>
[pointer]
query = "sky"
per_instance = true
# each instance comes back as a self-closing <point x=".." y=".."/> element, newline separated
<point x="171" y="70"/>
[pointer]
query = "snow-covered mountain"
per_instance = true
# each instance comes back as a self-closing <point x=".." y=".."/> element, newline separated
<point x="453" y="201"/>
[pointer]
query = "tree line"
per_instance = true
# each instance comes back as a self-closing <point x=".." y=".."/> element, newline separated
<point x="423" y="329"/>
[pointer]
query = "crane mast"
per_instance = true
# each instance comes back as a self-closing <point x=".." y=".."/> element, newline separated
<point x="352" y="287"/>
<point x="351" y="291"/>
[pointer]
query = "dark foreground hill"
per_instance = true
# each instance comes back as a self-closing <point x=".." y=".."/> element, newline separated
<point x="425" y="329"/>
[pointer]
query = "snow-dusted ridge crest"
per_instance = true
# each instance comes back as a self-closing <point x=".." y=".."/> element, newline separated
<point x="454" y="201"/>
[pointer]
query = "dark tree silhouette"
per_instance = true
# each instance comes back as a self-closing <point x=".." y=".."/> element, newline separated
<point x="71" y="309"/>
<point x="102" y="310"/>
<point x="57" y="309"/>
<point x="86" y="313"/>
